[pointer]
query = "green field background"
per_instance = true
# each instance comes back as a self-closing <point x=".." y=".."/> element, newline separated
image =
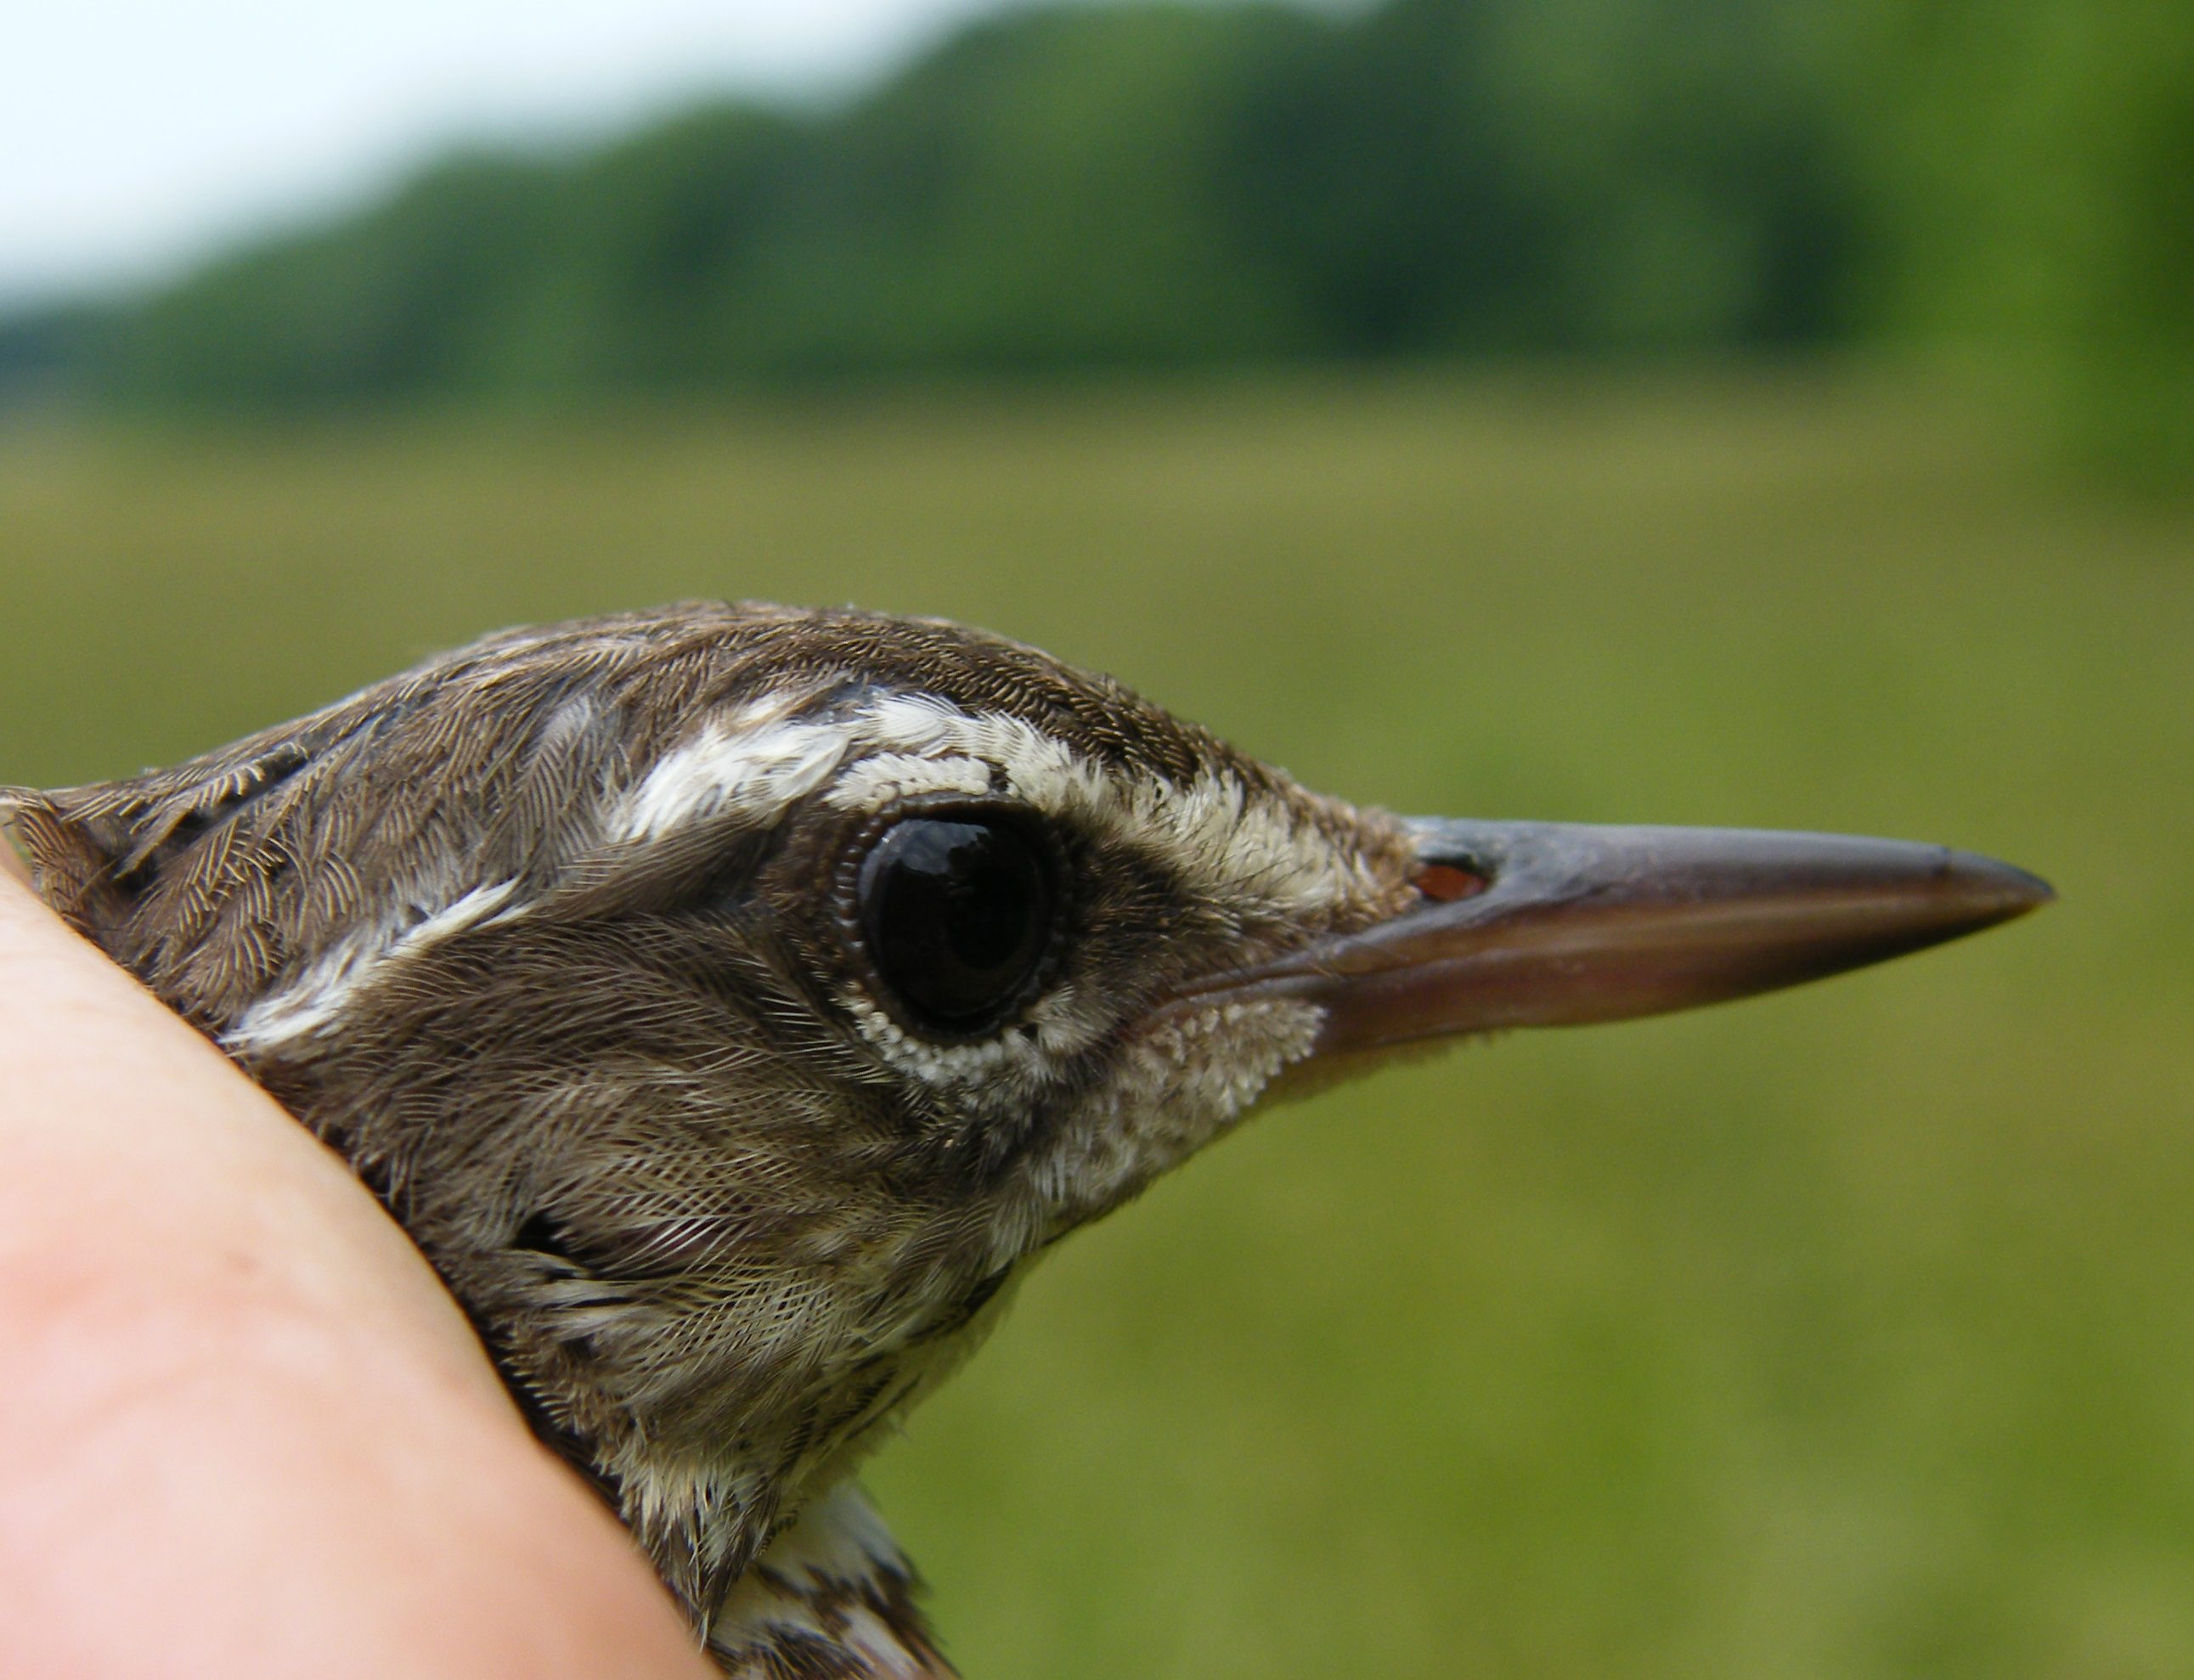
<point x="1848" y="1333"/>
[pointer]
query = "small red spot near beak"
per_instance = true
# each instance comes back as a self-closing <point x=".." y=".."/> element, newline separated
<point x="1443" y="883"/>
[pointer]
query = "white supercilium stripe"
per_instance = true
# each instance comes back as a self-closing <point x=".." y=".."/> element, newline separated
<point x="1210" y="833"/>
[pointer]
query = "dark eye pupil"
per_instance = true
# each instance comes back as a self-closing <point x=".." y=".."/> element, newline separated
<point x="957" y="914"/>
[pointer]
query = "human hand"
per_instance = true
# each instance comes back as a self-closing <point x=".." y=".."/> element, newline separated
<point x="249" y="1433"/>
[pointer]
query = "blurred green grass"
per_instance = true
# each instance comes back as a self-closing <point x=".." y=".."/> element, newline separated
<point x="1846" y="1332"/>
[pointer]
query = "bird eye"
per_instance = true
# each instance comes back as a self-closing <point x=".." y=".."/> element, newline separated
<point x="957" y="914"/>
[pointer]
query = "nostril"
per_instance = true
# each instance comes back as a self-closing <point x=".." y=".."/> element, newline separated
<point x="1446" y="883"/>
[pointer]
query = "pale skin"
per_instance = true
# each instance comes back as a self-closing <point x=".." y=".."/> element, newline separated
<point x="248" y="1432"/>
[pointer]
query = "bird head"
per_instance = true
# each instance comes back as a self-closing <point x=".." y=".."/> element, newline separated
<point x="732" y="1001"/>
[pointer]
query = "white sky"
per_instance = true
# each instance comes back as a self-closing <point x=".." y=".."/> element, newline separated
<point x="138" y="134"/>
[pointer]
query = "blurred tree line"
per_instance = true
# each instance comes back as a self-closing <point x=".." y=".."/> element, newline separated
<point x="1166" y="184"/>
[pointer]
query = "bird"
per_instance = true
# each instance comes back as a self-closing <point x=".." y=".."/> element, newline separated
<point x="732" y="1001"/>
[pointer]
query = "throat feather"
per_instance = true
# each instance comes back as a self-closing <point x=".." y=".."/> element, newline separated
<point x="832" y="1598"/>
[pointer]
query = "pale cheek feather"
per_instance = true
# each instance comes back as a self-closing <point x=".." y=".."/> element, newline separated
<point x="320" y="998"/>
<point x="1181" y="1086"/>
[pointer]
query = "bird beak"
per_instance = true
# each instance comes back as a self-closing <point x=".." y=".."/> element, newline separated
<point x="1549" y="924"/>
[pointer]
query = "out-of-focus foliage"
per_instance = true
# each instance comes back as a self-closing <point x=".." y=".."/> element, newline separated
<point x="2032" y="168"/>
<point x="1145" y="185"/>
<point x="1158" y="184"/>
<point x="45" y="351"/>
